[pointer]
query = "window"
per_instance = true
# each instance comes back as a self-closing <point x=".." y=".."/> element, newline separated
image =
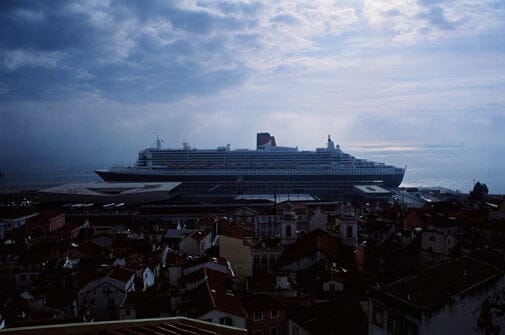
<point x="378" y="315"/>
<point x="348" y="232"/>
<point x="288" y="231"/>
<point x="226" y="321"/>
<point x="256" y="262"/>
<point x="410" y="328"/>
<point x="258" y="316"/>
<point x="274" y="313"/>
<point x="128" y="312"/>
<point x="273" y="261"/>
<point x="332" y="286"/>
<point x="264" y="262"/>
<point x="392" y="325"/>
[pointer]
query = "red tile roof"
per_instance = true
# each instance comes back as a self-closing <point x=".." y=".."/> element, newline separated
<point x="176" y="259"/>
<point x="49" y="214"/>
<point x="315" y="241"/>
<point x="238" y="230"/>
<point x="162" y="326"/>
<point x="262" y="302"/>
<point x="121" y="274"/>
<point x="333" y="317"/>
<point x="212" y="296"/>
<point x="201" y="260"/>
<point x="209" y="274"/>
<point x="413" y="220"/>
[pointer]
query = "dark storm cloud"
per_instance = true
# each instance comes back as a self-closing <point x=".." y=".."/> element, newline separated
<point x="129" y="51"/>
<point x="42" y="26"/>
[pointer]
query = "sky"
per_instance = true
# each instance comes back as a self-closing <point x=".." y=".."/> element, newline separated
<point x="87" y="84"/>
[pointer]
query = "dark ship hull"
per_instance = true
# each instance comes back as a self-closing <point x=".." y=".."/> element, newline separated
<point x="317" y="185"/>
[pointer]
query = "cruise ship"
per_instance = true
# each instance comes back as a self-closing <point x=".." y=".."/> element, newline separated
<point x="270" y="169"/>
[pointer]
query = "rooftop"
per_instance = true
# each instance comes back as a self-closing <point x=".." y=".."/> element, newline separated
<point x="120" y="274"/>
<point x="439" y="284"/>
<point x="315" y="241"/>
<point x="111" y="188"/>
<point x="161" y="326"/>
<point x="277" y="198"/>
<point x="210" y="296"/>
<point x="108" y="192"/>
<point x="332" y="317"/>
<point x="372" y="189"/>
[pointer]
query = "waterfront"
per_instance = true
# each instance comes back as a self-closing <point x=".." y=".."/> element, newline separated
<point x="455" y="167"/>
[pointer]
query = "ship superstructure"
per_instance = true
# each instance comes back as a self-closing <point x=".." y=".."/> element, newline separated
<point x="324" y="172"/>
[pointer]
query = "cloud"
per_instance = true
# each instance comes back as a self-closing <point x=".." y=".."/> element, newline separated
<point x="163" y="51"/>
<point x="127" y="51"/>
<point x="13" y="59"/>
<point x="111" y="74"/>
<point x="411" y="21"/>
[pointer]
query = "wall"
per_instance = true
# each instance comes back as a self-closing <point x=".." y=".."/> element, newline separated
<point x="239" y="255"/>
<point x="437" y="242"/>
<point x="10" y="224"/>
<point x="352" y="239"/>
<point x="214" y="316"/>
<point x="295" y="329"/>
<point x="304" y="263"/>
<point x="267" y="322"/>
<point x="318" y="221"/>
<point x="57" y="222"/>
<point x="103" y="289"/>
<point x="189" y="246"/>
<point x="147" y="278"/>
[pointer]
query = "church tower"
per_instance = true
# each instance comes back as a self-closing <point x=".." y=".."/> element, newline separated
<point x="288" y="225"/>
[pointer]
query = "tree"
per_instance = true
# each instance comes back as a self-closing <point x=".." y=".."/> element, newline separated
<point x="479" y="192"/>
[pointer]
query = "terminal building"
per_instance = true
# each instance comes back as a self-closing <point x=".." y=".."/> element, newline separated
<point x="372" y="193"/>
<point x="106" y="193"/>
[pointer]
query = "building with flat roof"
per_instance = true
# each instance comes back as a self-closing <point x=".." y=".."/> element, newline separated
<point x="106" y="193"/>
<point x="372" y="192"/>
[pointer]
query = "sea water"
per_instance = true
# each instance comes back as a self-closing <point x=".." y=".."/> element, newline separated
<point x="454" y="167"/>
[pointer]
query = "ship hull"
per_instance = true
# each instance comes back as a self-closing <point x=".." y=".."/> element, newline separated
<point x="229" y="185"/>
